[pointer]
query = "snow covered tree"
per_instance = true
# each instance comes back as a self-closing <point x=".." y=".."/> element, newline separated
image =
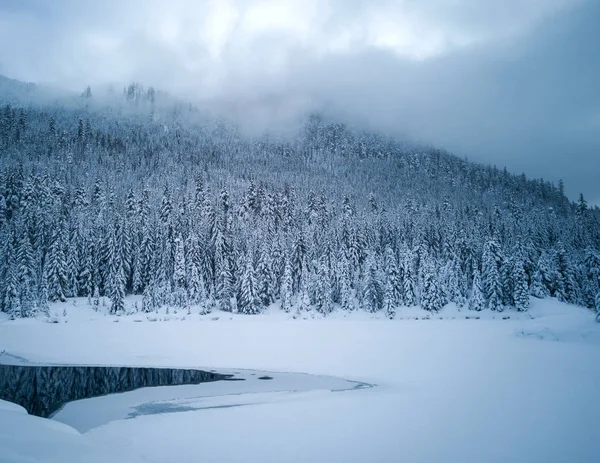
<point x="224" y="274"/>
<point x="11" y="301"/>
<point x="286" y="287"/>
<point x="538" y="288"/>
<point x="323" y="289"/>
<point x="26" y="276"/>
<point x="57" y="267"/>
<point x="116" y="279"/>
<point x="521" y="291"/>
<point x="389" y="306"/>
<point x="197" y="289"/>
<point x="179" y="275"/>
<point x="247" y="301"/>
<point x="393" y="282"/>
<point x="453" y="283"/>
<point x="264" y="278"/>
<point x="432" y="297"/>
<point x="43" y="306"/>
<point x="372" y="290"/>
<point x="345" y="284"/>
<point x="507" y="282"/>
<point x="409" y="284"/>
<point x="477" y="299"/>
<point x="490" y="275"/>
<point x="563" y="281"/>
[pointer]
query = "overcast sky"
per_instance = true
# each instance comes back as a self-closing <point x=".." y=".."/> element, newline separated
<point x="514" y="83"/>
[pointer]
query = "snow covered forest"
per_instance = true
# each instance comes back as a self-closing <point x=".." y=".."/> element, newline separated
<point x="147" y="196"/>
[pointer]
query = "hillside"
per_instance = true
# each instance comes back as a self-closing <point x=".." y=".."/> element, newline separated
<point x="136" y="193"/>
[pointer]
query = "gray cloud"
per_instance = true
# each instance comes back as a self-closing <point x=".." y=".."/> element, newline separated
<point x="511" y="83"/>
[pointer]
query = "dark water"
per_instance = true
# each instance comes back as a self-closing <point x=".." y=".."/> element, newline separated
<point x="42" y="390"/>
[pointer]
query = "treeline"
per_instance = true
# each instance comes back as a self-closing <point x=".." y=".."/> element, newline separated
<point x="190" y="213"/>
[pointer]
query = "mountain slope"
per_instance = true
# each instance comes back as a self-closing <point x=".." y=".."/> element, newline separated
<point x="140" y="194"/>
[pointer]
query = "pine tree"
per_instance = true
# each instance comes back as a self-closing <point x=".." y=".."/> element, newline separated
<point x="521" y="291"/>
<point x="264" y="278"/>
<point x="538" y="287"/>
<point x="179" y="275"/>
<point x="389" y="306"/>
<point x="73" y="263"/>
<point x="85" y="281"/>
<point x="286" y="287"/>
<point x="345" y="285"/>
<point x="43" y="306"/>
<point x="197" y="290"/>
<point x="116" y="278"/>
<point x="432" y="298"/>
<point x="490" y="275"/>
<point x="372" y="290"/>
<point x="247" y="301"/>
<point x="453" y="283"/>
<point x="298" y="259"/>
<point x="12" y="301"/>
<point x="563" y="282"/>
<point x="303" y="299"/>
<point x="57" y="267"/>
<point x="224" y="273"/>
<point x="477" y="300"/>
<point x="26" y="277"/>
<point x="393" y="279"/>
<point x="507" y="282"/>
<point x="323" y="288"/>
<point x="410" y="293"/>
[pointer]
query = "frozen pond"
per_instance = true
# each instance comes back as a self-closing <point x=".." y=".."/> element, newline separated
<point x="242" y="388"/>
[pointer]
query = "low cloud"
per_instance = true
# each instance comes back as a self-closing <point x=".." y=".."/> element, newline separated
<point x="510" y="83"/>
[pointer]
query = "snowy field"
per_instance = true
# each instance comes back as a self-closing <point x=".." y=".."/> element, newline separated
<point x="517" y="388"/>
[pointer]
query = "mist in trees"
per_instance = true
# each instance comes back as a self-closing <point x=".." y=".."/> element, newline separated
<point x="165" y="202"/>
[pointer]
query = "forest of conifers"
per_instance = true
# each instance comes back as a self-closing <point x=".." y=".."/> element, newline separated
<point x="105" y="200"/>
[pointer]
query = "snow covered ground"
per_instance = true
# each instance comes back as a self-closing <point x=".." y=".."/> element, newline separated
<point x="27" y="439"/>
<point x="518" y="389"/>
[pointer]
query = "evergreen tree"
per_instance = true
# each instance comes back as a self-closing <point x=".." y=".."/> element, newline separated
<point x="521" y="291"/>
<point x="490" y="275"/>
<point x="389" y="306"/>
<point x="323" y="288"/>
<point x="539" y="288"/>
<point x="179" y="275"/>
<point x="43" y="306"/>
<point x="286" y="287"/>
<point x="26" y="277"/>
<point x="116" y="277"/>
<point x="453" y="283"/>
<point x="247" y="301"/>
<point x="264" y="277"/>
<point x="345" y="285"/>
<point x="372" y="291"/>
<point x="11" y="301"/>
<point x="477" y="300"/>
<point x="57" y="267"/>
<point x="507" y="282"/>
<point x="432" y="298"/>
<point x="410" y="293"/>
<point x="563" y="281"/>
<point x="394" y="287"/>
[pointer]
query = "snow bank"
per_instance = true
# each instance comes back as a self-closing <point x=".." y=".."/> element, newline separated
<point x="29" y="439"/>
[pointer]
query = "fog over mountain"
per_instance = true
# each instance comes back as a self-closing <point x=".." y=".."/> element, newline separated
<point x="507" y="83"/>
